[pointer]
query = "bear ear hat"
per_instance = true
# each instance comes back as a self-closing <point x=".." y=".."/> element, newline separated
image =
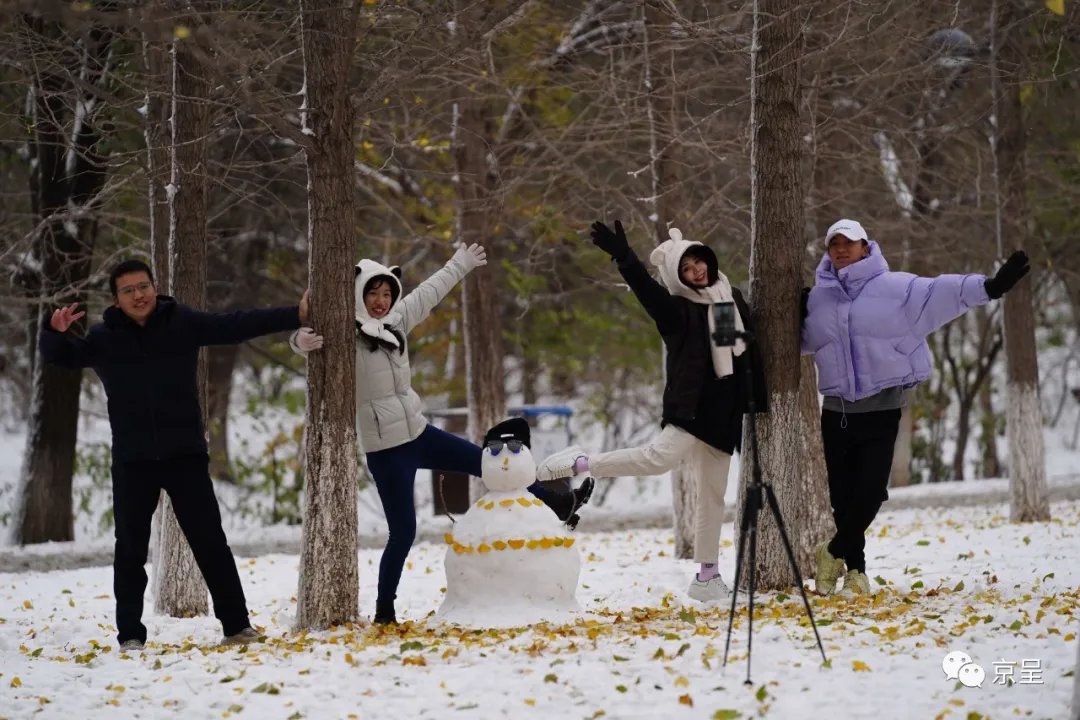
<point x="395" y="270"/>
<point x="659" y="253"/>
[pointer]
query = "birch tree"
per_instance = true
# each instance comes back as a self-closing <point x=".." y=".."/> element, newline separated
<point x="179" y="588"/>
<point x="775" y="279"/>
<point x="328" y="583"/>
<point x="1029" y="500"/>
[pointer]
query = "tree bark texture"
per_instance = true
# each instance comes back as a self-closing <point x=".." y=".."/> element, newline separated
<point x="67" y="176"/>
<point x="814" y="512"/>
<point x="1027" y="461"/>
<point x="900" y="475"/>
<point x="660" y="109"/>
<point x="328" y="587"/>
<point x="775" y="279"/>
<point x="157" y="63"/>
<point x="476" y="220"/>
<point x="179" y="588"/>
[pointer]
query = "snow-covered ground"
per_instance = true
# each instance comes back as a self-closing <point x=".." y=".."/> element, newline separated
<point x="957" y="580"/>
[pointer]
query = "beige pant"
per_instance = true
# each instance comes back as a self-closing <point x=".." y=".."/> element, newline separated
<point x="704" y="466"/>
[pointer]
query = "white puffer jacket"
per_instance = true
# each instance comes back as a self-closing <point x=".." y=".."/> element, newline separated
<point x="388" y="411"/>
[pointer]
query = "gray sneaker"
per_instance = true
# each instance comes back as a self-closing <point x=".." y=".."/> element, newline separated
<point x="711" y="591"/>
<point x="245" y="637"/>
<point x="132" y="645"/>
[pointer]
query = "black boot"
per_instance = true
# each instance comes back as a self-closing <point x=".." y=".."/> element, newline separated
<point x="384" y="613"/>
<point x="566" y="505"/>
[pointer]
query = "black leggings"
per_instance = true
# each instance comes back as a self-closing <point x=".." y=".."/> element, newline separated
<point x="858" y="458"/>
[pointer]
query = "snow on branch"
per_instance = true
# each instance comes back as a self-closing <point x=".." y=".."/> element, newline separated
<point x="890" y="168"/>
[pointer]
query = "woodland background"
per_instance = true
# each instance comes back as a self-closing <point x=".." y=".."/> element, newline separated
<point x="251" y="149"/>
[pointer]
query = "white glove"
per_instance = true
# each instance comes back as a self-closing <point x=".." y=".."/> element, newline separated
<point x="471" y="257"/>
<point x="305" y="340"/>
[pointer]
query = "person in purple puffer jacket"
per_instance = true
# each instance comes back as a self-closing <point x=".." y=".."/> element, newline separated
<point x="866" y="327"/>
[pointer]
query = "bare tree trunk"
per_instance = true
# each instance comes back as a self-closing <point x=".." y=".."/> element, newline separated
<point x="329" y="578"/>
<point x="1027" y="462"/>
<point x="963" y="432"/>
<point x="990" y="467"/>
<point x="158" y="66"/>
<point x="67" y="174"/>
<point x="221" y="362"/>
<point x="659" y="89"/>
<point x="775" y="278"/>
<point x="900" y="475"/>
<point x="484" y="352"/>
<point x="179" y="588"/>
<point x="816" y="513"/>
<point x="1074" y="711"/>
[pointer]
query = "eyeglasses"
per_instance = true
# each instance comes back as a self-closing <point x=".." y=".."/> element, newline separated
<point x="129" y="290"/>
<point x="496" y="446"/>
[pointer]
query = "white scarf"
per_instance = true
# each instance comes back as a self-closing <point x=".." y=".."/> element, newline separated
<point x="666" y="257"/>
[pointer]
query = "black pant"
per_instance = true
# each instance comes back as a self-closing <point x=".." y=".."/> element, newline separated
<point x="858" y="458"/>
<point x="136" y="488"/>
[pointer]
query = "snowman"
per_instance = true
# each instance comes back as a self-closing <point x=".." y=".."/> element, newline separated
<point x="509" y="560"/>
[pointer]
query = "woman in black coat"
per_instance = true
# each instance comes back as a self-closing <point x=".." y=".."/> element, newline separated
<point x="704" y="398"/>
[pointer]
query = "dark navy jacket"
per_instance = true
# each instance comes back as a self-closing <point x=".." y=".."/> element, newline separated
<point x="149" y="372"/>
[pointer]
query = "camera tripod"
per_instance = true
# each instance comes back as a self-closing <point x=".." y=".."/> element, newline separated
<point x="758" y="493"/>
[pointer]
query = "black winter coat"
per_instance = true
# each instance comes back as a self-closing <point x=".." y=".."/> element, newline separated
<point x="149" y="371"/>
<point x="709" y="408"/>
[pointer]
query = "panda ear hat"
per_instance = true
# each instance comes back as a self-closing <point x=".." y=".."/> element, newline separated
<point x="368" y="271"/>
<point x="512" y="429"/>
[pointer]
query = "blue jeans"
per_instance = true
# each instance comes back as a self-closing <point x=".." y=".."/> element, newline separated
<point x="394" y="470"/>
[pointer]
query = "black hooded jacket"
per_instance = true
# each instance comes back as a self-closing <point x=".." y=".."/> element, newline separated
<point x="695" y="399"/>
<point x="149" y="371"/>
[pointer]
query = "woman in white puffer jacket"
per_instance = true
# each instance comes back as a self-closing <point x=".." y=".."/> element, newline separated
<point x="391" y="426"/>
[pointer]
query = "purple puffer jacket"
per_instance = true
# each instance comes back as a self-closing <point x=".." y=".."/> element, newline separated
<point x="867" y="326"/>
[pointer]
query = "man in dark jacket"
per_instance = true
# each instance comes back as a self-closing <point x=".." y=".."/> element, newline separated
<point x="146" y="354"/>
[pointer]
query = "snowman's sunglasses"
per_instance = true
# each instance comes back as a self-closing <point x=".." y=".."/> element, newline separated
<point x="496" y="446"/>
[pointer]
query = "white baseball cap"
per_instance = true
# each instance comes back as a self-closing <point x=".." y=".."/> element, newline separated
<point x="850" y="229"/>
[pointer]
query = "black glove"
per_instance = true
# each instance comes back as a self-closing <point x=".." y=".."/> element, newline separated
<point x="803" y="300"/>
<point x="612" y="242"/>
<point x="1008" y="275"/>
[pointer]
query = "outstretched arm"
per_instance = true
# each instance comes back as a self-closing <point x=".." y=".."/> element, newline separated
<point x="654" y="297"/>
<point x="932" y="302"/>
<point x="929" y="303"/>
<point x="58" y="347"/>
<point x="417" y="305"/>
<point x="240" y="326"/>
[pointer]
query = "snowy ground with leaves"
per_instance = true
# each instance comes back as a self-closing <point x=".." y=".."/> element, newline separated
<point x="961" y="579"/>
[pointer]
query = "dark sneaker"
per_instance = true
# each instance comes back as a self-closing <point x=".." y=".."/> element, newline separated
<point x="384" y="614"/>
<point x="245" y="637"/>
<point x="132" y="645"/>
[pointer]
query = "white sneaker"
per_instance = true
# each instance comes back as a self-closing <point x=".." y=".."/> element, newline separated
<point x="560" y="465"/>
<point x="714" y="590"/>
